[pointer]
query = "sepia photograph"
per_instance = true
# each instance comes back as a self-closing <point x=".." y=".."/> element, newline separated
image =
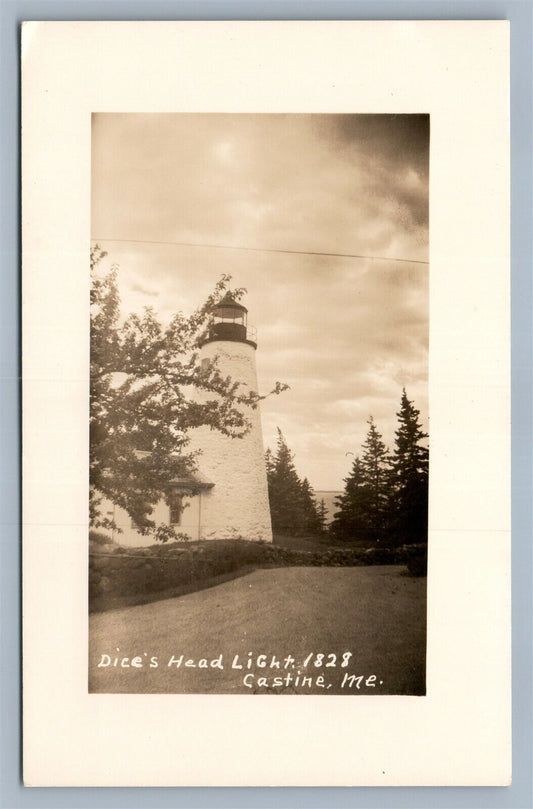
<point x="259" y="459"/>
<point x="266" y="409"/>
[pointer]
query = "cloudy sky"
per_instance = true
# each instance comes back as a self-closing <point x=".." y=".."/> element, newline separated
<point x="345" y="333"/>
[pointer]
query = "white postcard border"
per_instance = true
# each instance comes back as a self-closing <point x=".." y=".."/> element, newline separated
<point x="458" y="72"/>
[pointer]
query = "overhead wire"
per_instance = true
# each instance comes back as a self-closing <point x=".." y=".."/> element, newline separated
<point x="264" y="250"/>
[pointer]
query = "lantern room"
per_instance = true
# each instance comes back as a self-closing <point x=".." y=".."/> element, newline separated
<point x="229" y="321"/>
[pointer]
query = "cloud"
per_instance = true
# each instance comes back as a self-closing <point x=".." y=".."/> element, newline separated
<point x="346" y="334"/>
<point x="149" y="293"/>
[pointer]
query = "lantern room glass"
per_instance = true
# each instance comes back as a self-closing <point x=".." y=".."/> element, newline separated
<point x="230" y="314"/>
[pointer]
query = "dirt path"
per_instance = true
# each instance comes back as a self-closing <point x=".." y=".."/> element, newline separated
<point x="378" y="614"/>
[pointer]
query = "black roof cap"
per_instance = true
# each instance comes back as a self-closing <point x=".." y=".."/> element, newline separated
<point x="228" y="300"/>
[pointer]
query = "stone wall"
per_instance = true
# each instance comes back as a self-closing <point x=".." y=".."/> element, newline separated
<point x="116" y="572"/>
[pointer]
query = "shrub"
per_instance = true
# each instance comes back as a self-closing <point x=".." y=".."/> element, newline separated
<point x="99" y="539"/>
<point x="417" y="565"/>
<point x="117" y="572"/>
<point x="165" y="533"/>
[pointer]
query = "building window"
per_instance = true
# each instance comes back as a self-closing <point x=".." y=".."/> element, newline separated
<point x="175" y="504"/>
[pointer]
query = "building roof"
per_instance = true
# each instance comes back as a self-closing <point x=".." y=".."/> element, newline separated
<point x="228" y="300"/>
<point x="193" y="480"/>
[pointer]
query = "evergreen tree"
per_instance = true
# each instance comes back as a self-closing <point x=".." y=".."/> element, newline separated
<point x="312" y="523"/>
<point x="363" y="506"/>
<point x="385" y="497"/>
<point x="322" y="514"/>
<point x="410" y="477"/>
<point x="352" y="520"/>
<point x="375" y="468"/>
<point x="284" y="490"/>
<point x="292" y="501"/>
<point x="269" y="463"/>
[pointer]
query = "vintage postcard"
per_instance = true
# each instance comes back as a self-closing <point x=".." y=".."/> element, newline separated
<point x="266" y="403"/>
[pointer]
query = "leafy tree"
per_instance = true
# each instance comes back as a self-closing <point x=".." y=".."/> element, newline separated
<point x="142" y="402"/>
<point x="292" y="501"/>
<point x="410" y="477"/>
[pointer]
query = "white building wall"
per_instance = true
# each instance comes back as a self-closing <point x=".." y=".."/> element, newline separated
<point x="129" y="536"/>
<point x="237" y="505"/>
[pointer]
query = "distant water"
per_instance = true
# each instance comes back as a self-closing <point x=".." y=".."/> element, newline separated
<point x="328" y="497"/>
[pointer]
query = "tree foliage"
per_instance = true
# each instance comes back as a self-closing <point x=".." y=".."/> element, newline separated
<point x="322" y="513"/>
<point x="410" y="477"/>
<point x="142" y="400"/>
<point x="312" y="522"/>
<point x="385" y="496"/>
<point x="376" y="472"/>
<point x="293" y="507"/>
<point x="353" y="520"/>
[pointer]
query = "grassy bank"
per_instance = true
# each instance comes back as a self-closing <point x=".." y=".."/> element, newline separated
<point x="121" y="576"/>
<point x="376" y="614"/>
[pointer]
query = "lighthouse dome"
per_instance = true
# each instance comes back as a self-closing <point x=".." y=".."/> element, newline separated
<point x="229" y="321"/>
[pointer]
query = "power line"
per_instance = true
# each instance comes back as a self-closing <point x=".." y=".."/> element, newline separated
<point x="265" y="250"/>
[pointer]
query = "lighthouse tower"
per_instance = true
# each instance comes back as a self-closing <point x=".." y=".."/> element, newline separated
<point x="236" y="505"/>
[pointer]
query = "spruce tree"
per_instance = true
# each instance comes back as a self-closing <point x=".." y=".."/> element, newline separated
<point x="363" y="506"/>
<point x="322" y="514"/>
<point x="375" y="466"/>
<point x="292" y="501"/>
<point x="352" y="521"/>
<point x="410" y="477"/>
<point x="312" y="523"/>
<point x="269" y="463"/>
<point x="284" y="491"/>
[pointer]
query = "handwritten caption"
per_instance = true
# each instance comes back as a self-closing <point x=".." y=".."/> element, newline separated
<point x="258" y="671"/>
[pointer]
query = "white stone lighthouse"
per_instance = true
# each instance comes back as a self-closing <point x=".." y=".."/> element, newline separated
<point x="236" y="504"/>
<point x="226" y="496"/>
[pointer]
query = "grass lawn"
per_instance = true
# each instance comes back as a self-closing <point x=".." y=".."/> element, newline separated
<point x="377" y="614"/>
<point x="306" y="543"/>
<point x="113" y="602"/>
